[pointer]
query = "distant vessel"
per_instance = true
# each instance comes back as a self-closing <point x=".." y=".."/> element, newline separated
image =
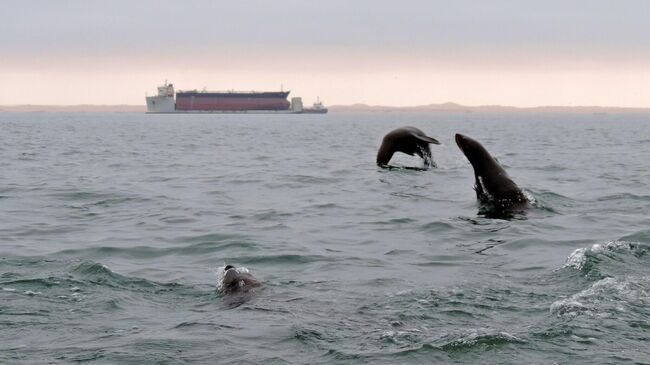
<point x="318" y="108"/>
<point x="193" y="101"/>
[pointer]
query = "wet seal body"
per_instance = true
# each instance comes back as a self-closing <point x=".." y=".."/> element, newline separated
<point x="409" y="140"/>
<point x="237" y="286"/>
<point x="235" y="281"/>
<point x="493" y="185"/>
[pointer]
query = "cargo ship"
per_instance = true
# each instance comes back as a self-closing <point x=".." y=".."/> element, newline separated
<point x="193" y="101"/>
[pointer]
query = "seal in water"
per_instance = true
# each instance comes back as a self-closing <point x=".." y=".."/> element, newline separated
<point x="409" y="140"/>
<point x="493" y="185"/>
<point x="237" y="286"/>
<point x="235" y="281"/>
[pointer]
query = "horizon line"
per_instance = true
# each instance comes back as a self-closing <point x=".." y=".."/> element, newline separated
<point x="450" y="106"/>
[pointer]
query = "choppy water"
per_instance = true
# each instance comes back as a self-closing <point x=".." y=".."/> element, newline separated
<point x="113" y="228"/>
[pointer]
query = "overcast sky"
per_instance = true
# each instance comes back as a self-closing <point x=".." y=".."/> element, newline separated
<point x="377" y="52"/>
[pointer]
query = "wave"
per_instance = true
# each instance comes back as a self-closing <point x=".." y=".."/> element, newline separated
<point x="96" y="198"/>
<point x="613" y="258"/>
<point x="607" y="297"/>
<point x="413" y="342"/>
<point x="99" y="274"/>
<point x="36" y="283"/>
<point x="617" y="290"/>
<point x="312" y="180"/>
<point x="436" y="227"/>
<point x="624" y="196"/>
<point x="64" y="283"/>
<point x="477" y="338"/>
<point x="271" y="215"/>
<point x="546" y="199"/>
<point x="283" y="259"/>
<point x="641" y="236"/>
<point x="393" y="222"/>
<point x="580" y="258"/>
<point x="148" y="252"/>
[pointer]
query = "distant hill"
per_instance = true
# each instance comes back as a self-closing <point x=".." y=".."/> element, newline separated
<point x="72" y="108"/>
<point x="457" y="108"/>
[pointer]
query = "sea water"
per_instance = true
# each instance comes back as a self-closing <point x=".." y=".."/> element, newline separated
<point x="114" y="226"/>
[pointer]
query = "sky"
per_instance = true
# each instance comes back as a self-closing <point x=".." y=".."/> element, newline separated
<point x="399" y="53"/>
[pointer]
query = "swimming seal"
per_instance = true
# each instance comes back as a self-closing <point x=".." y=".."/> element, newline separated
<point x="409" y="140"/>
<point x="493" y="185"/>
<point x="235" y="281"/>
<point x="237" y="286"/>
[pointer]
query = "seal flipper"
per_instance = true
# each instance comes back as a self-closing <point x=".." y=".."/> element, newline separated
<point x="480" y="192"/>
<point x="427" y="139"/>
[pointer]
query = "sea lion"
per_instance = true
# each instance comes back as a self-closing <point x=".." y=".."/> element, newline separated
<point x="409" y="140"/>
<point x="493" y="185"/>
<point x="237" y="286"/>
<point x="236" y="281"/>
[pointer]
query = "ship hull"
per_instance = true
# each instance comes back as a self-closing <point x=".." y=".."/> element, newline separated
<point x="229" y="112"/>
<point x="196" y="101"/>
<point x="314" y="111"/>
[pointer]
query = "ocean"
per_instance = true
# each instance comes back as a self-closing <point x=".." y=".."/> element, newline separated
<point x="115" y="226"/>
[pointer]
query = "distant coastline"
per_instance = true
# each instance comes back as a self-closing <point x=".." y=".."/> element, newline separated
<point x="83" y="108"/>
<point x="491" y="109"/>
<point x="430" y="108"/>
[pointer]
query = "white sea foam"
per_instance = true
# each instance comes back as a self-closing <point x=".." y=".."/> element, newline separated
<point x="578" y="258"/>
<point x="605" y="296"/>
<point x="476" y="336"/>
<point x="484" y="189"/>
<point x="530" y="197"/>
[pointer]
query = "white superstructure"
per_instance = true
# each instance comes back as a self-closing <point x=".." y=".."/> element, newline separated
<point x="163" y="102"/>
<point x="296" y="105"/>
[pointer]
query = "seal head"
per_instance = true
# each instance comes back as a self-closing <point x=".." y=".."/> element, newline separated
<point x="236" y="281"/>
